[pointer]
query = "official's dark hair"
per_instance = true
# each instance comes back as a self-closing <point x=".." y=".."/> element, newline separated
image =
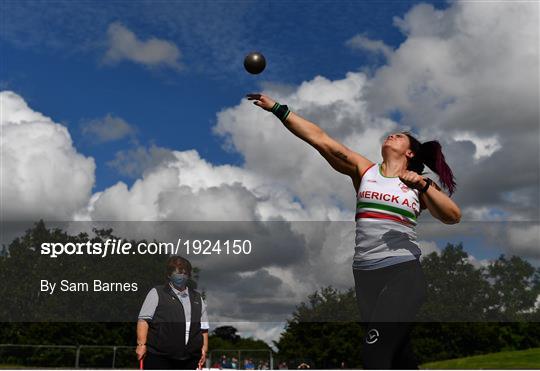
<point x="430" y="154"/>
<point x="177" y="262"/>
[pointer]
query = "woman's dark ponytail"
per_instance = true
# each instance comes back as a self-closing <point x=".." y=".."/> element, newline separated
<point x="430" y="154"/>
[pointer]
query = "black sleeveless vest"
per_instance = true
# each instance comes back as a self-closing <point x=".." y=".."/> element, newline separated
<point x="167" y="329"/>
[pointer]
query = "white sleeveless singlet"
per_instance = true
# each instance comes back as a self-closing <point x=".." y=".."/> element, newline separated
<point x="386" y="212"/>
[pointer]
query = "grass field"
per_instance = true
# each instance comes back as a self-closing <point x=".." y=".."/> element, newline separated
<point x="519" y="359"/>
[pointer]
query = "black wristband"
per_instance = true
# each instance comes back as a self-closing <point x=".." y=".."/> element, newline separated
<point x="281" y="112"/>
<point x="428" y="183"/>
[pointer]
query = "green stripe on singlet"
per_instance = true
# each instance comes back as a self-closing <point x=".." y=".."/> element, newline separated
<point x="396" y="210"/>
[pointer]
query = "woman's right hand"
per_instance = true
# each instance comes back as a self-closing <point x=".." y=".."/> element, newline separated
<point x="141" y="351"/>
<point x="262" y="101"/>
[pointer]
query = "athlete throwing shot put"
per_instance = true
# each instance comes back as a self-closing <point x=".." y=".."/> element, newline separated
<point x="389" y="282"/>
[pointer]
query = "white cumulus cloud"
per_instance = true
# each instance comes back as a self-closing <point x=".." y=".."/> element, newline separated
<point x="42" y="174"/>
<point x="123" y="44"/>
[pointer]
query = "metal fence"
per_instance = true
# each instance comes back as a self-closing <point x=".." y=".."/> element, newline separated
<point x="68" y="356"/>
<point x="111" y="356"/>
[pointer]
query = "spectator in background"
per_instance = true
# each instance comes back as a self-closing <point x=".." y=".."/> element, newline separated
<point x="248" y="364"/>
<point x="224" y="362"/>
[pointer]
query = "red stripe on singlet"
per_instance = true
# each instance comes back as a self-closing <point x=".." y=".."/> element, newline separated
<point x="375" y="215"/>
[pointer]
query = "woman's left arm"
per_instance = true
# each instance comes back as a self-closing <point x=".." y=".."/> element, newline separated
<point x="438" y="203"/>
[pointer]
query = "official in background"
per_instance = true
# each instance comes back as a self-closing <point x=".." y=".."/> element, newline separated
<point x="172" y="330"/>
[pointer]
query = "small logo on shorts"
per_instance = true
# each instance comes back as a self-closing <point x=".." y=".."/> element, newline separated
<point x="372" y="336"/>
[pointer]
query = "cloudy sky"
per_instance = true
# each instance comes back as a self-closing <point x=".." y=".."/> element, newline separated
<point x="136" y="111"/>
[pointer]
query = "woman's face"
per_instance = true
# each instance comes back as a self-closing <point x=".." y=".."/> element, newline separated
<point x="398" y="142"/>
<point x="181" y="270"/>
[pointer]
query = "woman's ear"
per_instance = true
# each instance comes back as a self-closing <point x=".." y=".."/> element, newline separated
<point x="409" y="154"/>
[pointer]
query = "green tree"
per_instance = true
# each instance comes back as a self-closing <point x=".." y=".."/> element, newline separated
<point x="323" y="331"/>
<point x="515" y="288"/>
<point x="227" y="333"/>
<point x="456" y="290"/>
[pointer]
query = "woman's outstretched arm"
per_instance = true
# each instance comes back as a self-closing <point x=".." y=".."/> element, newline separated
<point x="338" y="156"/>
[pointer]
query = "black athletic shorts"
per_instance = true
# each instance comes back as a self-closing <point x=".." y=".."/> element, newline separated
<point x="389" y="299"/>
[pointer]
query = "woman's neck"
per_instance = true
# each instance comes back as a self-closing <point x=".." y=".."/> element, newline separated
<point x="393" y="167"/>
